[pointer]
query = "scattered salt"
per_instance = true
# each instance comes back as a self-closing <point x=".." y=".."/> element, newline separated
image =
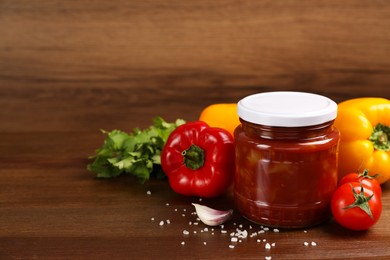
<point x="161" y="223"/>
<point x="306" y="243"/>
<point x="276" y="230"/>
<point x="186" y="232"/>
<point x="234" y="239"/>
<point x="267" y="246"/>
<point x="313" y="243"/>
<point x="231" y="246"/>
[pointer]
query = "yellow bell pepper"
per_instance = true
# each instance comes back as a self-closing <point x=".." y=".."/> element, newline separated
<point x="364" y="125"/>
<point x="221" y="115"/>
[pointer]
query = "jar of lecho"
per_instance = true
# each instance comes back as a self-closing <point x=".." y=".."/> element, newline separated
<point x="286" y="158"/>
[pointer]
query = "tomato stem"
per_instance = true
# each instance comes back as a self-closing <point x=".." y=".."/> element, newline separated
<point x="361" y="201"/>
<point x="365" y="175"/>
<point x="380" y="137"/>
<point x="193" y="157"/>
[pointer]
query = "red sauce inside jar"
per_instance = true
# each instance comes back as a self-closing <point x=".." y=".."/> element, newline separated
<point x="285" y="175"/>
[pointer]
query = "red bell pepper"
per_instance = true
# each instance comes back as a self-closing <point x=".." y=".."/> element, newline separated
<point x="199" y="160"/>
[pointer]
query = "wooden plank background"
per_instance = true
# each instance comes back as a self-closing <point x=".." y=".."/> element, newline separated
<point x="110" y="60"/>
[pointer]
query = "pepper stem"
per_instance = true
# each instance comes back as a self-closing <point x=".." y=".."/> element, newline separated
<point x="361" y="201"/>
<point x="380" y="137"/>
<point x="193" y="157"/>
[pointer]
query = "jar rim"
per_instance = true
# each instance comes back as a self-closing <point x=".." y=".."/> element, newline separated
<point x="287" y="109"/>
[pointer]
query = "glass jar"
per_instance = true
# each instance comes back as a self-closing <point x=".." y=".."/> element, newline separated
<point x="286" y="158"/>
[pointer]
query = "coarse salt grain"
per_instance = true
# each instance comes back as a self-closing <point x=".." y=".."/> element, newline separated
<point x="152" y="219"/>
<point x="234" y="239"/>
<point x="161" y="223"/>
<point x="267" y="246"/>
<point x="183" y="243"/>
<point x="313" y="243"/>
<point x="148" y="192"/>
<point x="168" y="221"/>
<point x="186" y="232"/>
<point x="167" y="204"/>
<point x="204" y="243"/>
<point x="231" y="246"/>
<point x="306" y="243"/>
<point x="268" y="258"/>
<point x="223" y="231"/>
<point x="276" y="230"/>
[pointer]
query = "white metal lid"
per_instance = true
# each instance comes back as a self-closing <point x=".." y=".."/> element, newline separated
<point x="287" y="109"/>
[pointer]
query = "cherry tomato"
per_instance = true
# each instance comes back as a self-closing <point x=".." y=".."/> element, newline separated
<point x="355" y="207"/>
<point x="364" y="178"/>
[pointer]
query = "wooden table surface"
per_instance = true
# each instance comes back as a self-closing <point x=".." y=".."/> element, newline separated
<point x="71" y="68"/>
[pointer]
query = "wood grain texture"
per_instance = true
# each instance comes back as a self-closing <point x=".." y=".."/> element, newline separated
<point x="112" y="60"/>
<point x="51" y="207"/>
<point x="70" y="68"/>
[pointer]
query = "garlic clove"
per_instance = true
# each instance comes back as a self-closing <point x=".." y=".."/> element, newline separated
<point x="210" y="216"/>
